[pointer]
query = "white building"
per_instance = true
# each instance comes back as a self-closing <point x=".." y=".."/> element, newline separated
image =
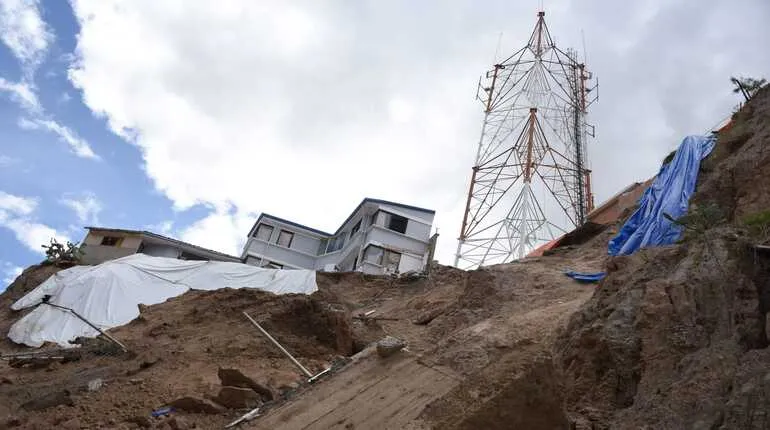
<point x="378" y="237"/>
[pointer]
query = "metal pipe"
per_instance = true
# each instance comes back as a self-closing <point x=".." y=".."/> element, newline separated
<point x="275" y="342"/>
<point x="117" y="342"/>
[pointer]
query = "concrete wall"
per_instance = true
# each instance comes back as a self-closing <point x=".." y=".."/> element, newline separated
<point x="281" y="255"/>
<point x="333" y="258"/>
<point x="97" y="254"/>
<point x="419" y="230"/>
<point x="130" y="241"/>
<point x="409" y="262"/>
<point x="306" y="244"/>
<point x="157" y="250"/>
<point x="396" y="241"/>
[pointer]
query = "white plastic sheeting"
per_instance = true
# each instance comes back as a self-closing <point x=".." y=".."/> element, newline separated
<point x="108" y="294"/>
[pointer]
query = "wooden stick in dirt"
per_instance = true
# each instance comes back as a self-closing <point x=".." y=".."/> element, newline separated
<point x="117" y="342"/>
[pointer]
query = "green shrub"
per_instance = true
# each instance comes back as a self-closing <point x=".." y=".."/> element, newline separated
<point x="699" y="218"/>
<point x="758" y="225"/>
<point x="57" y="253"/>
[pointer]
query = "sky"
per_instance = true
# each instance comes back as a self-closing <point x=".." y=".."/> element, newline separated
<point x="189" y="118"/>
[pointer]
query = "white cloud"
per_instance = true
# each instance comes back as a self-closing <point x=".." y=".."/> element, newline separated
<point x="6" y="160"/>
<point x="85" y="205"/>
<point x="16" y="205"/>
<point x="165" y="228"/>
<point x="16" y="214"/>
<point x="301" y="109"/>
<point x="9" y="273"/>
<point x="77" y="145"/>
<point x="22" y="93"/>
<point x="23" y="30"/>
<point x="223" y="231"/>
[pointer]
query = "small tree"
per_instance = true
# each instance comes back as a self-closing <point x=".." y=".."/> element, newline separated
<point x="747" y="86"/>
<point x="57" y="253"/>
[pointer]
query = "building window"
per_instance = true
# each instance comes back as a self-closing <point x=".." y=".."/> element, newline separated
<point x="273" y="265"/>
<point x="382" y="257"/>
<point x="392" y="221"/>
<point x="355" y="229"/>
<point x="285" y="238"/>
<point x="111" y="241"/>
<point x="188" y="256"/>
<point x="373" y="254"/>
<point x="336" y="243"/>
<point x="264" y="232"/>
<point x="322" y="246"/>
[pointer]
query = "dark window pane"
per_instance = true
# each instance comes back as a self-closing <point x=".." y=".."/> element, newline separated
<point x="111" y="241"/>
<point x="397" y="223"/>
<point x="188" y="256"/>
<point x="322" y="246"/>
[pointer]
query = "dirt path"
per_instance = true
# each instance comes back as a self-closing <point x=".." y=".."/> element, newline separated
<point x="372" y="393"/>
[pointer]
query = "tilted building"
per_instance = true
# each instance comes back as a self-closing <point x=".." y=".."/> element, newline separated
<point x="378" y="237"/>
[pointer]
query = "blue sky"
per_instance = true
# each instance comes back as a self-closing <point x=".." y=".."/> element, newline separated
<point x="65" y="189"/>
<point x="190" y="117"/>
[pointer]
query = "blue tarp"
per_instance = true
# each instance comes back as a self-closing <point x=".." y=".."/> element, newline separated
<point x="669" y="193"/>
<point x="586" y="277"/>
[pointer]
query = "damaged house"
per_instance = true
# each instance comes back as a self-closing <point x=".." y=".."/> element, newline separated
<point x="104" y="244"/>
<point x="378" y="237"/>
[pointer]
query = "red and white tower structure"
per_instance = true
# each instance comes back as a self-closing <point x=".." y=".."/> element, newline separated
<point x="531" y="158"/>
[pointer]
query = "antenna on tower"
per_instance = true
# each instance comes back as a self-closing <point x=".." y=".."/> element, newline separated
<point x="497" y="50"/>
<point x="532" y="143"/>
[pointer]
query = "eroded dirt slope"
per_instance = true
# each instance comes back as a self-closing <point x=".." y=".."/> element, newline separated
<point x="676" y="337"/>
<point x="479" y="327"/>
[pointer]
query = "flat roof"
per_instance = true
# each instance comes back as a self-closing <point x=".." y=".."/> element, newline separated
<point x="164" y="238"/>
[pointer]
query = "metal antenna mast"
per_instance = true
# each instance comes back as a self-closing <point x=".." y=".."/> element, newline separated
<point x="532" y="138"/>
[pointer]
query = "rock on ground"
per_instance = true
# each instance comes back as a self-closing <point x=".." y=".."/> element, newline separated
<point x="389" y="346"/>
<point x="238" y="398"/>
<point x="196" y="405"/>
<point x="236" y="378"/>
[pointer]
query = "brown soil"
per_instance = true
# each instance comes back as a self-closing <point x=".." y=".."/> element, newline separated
<point x="674" y="337"/>
<point x="472" y="324"/>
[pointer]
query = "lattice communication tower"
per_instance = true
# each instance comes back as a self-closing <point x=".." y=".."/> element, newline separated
<point x="533" y="142"/>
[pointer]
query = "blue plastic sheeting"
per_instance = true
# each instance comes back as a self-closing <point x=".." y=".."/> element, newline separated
<point x="669" y="193"/>
<point x="586" y="277"/>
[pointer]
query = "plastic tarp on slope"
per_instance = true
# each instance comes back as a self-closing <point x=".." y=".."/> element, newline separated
<point x="670" y="194"/>
<point x="586" y="277"/>
<point x="108" y="294"/>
